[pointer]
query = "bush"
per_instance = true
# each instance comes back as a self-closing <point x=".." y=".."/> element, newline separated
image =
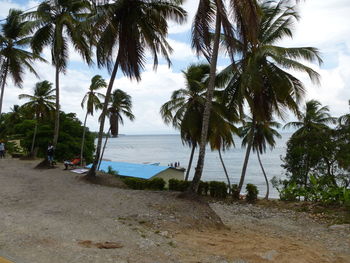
<point x="135" y="183"/>
<point x="203" y="188"/>
<point x="252" y="193"/>
<point x="218" y="189"/>
<point x="234" y="192"/>
<point x="178" y="185"/>
<point x="142" y="184"/>
<point x="156" y="184"/>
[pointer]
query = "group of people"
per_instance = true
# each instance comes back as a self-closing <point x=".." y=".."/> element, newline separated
<point x="2" y="150"/>
<point x="176" y="164"/>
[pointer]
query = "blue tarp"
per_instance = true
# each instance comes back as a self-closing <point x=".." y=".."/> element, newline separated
<point x="145" y="171"/>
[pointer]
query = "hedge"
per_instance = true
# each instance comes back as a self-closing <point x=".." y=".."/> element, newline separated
<point x="141" y="184"/>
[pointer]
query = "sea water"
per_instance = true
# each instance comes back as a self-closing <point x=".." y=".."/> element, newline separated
<point x="167" y="149"/>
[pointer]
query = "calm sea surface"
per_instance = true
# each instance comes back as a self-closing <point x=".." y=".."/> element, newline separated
<point x="165" y="149"/>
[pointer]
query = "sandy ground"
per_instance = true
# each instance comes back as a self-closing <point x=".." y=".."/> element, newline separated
<point x="52" y="216"/>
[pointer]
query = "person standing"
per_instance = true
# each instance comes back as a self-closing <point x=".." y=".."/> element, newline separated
<point x="2" y="150"/>
<point x="50" y="153"/>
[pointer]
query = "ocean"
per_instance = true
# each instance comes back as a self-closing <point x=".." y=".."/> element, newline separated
<point x="166" y="149"/>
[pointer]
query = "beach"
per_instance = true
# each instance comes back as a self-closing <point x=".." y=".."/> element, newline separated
<point x="51" y="215"/>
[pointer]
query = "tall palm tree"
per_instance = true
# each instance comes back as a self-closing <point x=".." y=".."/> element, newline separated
<point x="345" y="119"/>
<point x="57" y="23"/>
<point x="212" y="16"/>
<point x="184" y="108"/>
<point x="92" y="100"/>
<point x="14" y="56"/>
<point x="120" y="105"/>
<point x="260" y="135"/>
<point x="314" y="117"/>
<point x="130" y="28"/>
<point x="259" y="77"/>
<point x="41" y="104"/>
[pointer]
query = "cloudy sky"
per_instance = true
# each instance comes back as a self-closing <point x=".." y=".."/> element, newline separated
<point x="324" y="24"/>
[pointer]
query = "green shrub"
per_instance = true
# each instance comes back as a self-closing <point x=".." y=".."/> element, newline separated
<point x="252" y="193"/>
<point x="142" y="184"/>
<point x="203" y="188"/>
<point x="156" y="184"/>
<point x="234" y="192"/>
<point x="135" y="183"/>
<point x="218" y="189"/>
<point x="178" y="185"/>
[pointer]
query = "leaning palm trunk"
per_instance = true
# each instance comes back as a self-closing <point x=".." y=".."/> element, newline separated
<point x="103" y="150"/>
<point x="83" y="140"/>
<point x="33" y="141"/>
<point x="223" y="165"/>
<point x="190" y="162"/>
<point x="92" y="171"/>
<point x="244" y="169"/>
<point x="57" y="114"/>
<point x="207" y="109"/>
<point x="3" y="87"/>
<point x="267" y="181"/>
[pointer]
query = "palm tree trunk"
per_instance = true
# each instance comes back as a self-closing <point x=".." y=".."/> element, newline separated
<point x="33" y="141"/>
<point x="57" y="114"/>
<point x="244" y="169"/>
<point x="223" y="165"/>
<point x="267" y="181"/>
<point x="83" y="140"/>
<point x="192" y="190"/>
<point x="190" y="162"/>
<point x="3" y="86"/>
<point x="92" y="171"/>
<point x="104" y="147"/>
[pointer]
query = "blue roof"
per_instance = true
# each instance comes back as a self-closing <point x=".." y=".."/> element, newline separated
<point x="145" y="171"/>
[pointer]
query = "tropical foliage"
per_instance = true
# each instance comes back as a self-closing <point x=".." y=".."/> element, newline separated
<point x="14" y="57"/>
<point x="56" y="24"/>
<point x="130" y="28"/>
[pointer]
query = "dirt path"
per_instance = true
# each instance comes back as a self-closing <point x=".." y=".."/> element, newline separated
<point x="51" y="216"/>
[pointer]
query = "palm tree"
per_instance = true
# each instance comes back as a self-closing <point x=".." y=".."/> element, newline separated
<point x="185" y="112"/>
<point x="120" y="105"/>
<point x="92" y="100"/>
<point x="184" y="109"/>
<point x="314" y="117"/>
<point x="129" y="28"/>
<point x="41" y="104"/>
<point x="14" y="56"/>
<point x="259" y="135"/>
<point x="209" y="13"/>
<point x="260" y="76"/>
<point x="58" y="22"/>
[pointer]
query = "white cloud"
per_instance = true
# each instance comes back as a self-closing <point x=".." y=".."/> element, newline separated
<point x="324" y="24"/>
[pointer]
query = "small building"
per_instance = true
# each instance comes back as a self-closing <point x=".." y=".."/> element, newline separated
<point x="144" y="171"/>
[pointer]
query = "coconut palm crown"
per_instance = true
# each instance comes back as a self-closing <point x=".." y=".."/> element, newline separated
<point x="124" y="31"/>
<point x="14" y="56"/>
<point x="314" y="117"/>
<point x="58" y="23"/>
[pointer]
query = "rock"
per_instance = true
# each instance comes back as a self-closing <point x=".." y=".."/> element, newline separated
<point x="239" y="261"/>
<point x="269" y="255"/>
<point x="164" y="233"/>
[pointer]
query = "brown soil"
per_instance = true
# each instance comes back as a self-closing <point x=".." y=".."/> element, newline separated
<point x="53" y="216"/>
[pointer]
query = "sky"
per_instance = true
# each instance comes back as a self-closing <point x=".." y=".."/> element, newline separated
<point x="324" y="24"/>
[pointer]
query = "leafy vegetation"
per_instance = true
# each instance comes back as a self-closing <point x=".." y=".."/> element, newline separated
<point x="315" y="161"/>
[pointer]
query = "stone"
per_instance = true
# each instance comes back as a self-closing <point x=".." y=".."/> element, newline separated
<point x="269" y="255"/>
